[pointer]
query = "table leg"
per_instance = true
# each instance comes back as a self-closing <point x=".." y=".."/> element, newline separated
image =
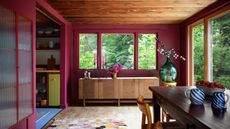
<point x="156" y="109"/>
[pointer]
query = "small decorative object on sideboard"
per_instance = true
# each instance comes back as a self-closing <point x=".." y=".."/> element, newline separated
<point x="87" y="75"/>
<point x="115" y="69"/>
<point x="210" y="87"/>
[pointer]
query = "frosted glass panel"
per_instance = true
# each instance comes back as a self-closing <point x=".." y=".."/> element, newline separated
<point x="8" y="116"/>
<point x="25" y="67"/>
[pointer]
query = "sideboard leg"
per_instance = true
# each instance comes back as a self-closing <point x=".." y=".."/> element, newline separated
<point x="84" y="102"/>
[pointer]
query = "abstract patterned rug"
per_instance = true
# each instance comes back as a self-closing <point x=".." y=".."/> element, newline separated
<point x="128" y="117"/>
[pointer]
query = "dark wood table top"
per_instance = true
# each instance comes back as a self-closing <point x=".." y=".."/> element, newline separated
<point x="205" y="115"/>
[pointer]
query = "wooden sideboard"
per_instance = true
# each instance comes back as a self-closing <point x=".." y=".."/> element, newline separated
<point x="119" y="89"/>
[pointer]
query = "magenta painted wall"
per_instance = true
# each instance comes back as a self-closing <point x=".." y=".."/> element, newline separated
<point x="25" y="8"/>
<point x="169" y="34"/>
<point x="65" y="67"/>
<point x="184" y="38"/>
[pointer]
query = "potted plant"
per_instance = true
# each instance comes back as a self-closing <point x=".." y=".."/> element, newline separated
<point x="115" y="69"/>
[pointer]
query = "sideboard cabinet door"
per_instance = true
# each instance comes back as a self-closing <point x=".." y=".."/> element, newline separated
<point x="108" y="89"/>
<point x="89" y="88"/>
<point x="143" y="86"/>
<point x="128" y="88"/>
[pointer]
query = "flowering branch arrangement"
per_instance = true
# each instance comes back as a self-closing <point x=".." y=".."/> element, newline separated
<point x="168" y="52"/>
<point x="115" y="68"/>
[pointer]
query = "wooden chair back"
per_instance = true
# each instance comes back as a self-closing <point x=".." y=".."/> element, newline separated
<point x="144" y="108"/>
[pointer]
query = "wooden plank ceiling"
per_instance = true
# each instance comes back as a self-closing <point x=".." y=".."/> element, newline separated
<point x="128" y="11"/>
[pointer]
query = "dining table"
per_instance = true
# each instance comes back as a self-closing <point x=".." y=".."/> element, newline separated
<point x="190" y="116"/>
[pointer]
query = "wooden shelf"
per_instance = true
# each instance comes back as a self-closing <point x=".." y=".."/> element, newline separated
<point x="48" y="49"/>
<point x="48" y="35"/>
<point x="47" y="71"/>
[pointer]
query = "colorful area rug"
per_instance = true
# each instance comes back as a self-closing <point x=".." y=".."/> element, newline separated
<point x="98" y="118"/>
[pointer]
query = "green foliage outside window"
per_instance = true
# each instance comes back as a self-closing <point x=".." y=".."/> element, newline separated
<point x="220" y="31"/>
<point x="117" y="48"/>
<point x="198" y="49"/>
<point x="88" y="51"/>
<point x="220" y="49"/>
<point x="147" y="51"/>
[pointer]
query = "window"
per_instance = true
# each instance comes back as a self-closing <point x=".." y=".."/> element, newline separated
<point x="198" y="49"/>
<point x="108" y="49"/>
<point x="147" y="51"/>
<point x="209" y="48"/>
<point x="117" y="48"/>
<point x="88" y="51"/>
<point x="220" y="49"/>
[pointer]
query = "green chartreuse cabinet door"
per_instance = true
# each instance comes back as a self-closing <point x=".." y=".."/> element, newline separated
<point x="54" y="89"/>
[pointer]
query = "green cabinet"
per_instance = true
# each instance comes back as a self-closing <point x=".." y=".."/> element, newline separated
<point x="54" y="89"/>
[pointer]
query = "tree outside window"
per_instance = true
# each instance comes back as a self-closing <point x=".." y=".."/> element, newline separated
<point x="220" y="45"/>
<point x="117" y="48"/>
<point x="147" y="51"/>
<point x="88" y="51"/>
<point x="198" y="49"/>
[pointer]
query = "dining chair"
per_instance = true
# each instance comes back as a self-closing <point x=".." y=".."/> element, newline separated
<point x="144" y="108"/>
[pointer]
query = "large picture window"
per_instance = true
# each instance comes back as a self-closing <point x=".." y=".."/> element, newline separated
<point x="209" y="49"/>
<point x="88" y="51"/>
<point x="117" y="48"/>
<point x="147" y="51"/>
<point x="220" y="49"/>
<point x="103" y="50"/>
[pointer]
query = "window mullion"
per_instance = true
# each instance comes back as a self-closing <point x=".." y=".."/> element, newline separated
<point x="206" y="51"/>
<point x="135" y="51"/>
<point x="99" y="50"/>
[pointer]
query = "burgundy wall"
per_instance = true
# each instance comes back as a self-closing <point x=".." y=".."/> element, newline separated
<point x="169" y="34"/>
<point x="184" y="38"/>
<point x="25" y="8"/>
<point x="65" y="56"/>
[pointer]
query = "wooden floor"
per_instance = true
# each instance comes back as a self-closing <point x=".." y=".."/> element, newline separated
<point x="130" y="116"/>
